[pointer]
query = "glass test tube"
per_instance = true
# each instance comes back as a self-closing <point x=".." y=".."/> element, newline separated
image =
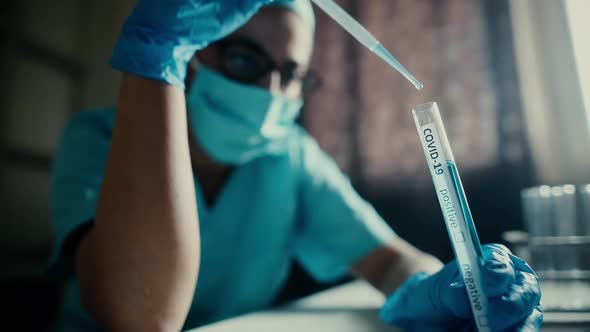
<point x="565" y="225"/>
<point x="584" y="201"/>
<point x="453" y="203"/>
<point x="537" y="204"/>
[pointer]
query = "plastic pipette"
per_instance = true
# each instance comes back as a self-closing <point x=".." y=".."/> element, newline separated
<point x="453" y="203"/>
<point x="365" y="37"/>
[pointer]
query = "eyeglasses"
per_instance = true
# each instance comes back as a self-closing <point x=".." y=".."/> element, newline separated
<point x="246" y="61"/>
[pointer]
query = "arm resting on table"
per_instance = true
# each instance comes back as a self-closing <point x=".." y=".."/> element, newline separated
<point x="391" y="265"/>
<point x="138" y="264"/>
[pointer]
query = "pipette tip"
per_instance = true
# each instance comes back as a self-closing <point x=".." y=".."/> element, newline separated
<point x="384" y="54"/>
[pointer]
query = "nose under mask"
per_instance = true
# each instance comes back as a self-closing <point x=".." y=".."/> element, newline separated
<point x="236" y="123"/>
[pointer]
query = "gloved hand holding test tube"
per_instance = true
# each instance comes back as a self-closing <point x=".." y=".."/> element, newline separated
<point x="453" y="203"/>
<point x="512" y="285"/>
<point x="486" y="288"/>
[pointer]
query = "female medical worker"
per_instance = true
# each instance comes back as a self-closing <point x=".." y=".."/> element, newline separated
<point x="185" y="206"/>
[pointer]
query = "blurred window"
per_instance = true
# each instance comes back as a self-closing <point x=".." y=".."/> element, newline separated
<point x="580" y="27"/>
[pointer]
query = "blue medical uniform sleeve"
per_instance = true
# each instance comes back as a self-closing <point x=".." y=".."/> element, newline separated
<point x="77" y="176"/>
<point x="337" y="227"/>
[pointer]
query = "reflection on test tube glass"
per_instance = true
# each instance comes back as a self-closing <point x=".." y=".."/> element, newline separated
<point x="585" y="208"/>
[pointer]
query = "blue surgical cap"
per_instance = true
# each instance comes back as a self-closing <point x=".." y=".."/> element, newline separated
<point x="303" y="8"/>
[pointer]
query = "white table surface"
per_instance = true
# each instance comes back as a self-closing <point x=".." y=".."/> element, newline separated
<point x="351" y="308"/>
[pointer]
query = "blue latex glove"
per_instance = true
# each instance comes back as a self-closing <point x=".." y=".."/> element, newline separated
<point x="439" y="302"/>
<point x="161" y="36"/>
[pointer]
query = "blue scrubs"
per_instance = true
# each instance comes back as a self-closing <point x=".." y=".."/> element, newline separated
<point x="297" y="205"/>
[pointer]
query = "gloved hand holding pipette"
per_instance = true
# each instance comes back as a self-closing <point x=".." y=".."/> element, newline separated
<point x="439" y="302"/>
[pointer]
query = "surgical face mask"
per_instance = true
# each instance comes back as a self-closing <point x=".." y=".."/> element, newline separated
<point x="236" y="123"/>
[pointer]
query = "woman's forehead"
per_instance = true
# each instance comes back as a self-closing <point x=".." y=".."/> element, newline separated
<point x="282" y="33"/>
